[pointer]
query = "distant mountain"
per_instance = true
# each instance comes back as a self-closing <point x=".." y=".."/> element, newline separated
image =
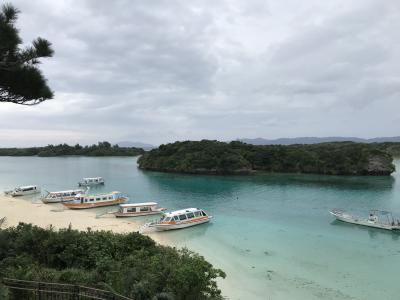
<point x="144" y="146"/>
<point x="316" y="140"/>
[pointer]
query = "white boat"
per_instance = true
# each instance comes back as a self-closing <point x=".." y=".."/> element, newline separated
<point x="91" y="181"/>
<point x="91" y="201"/>
<point x="23" y="190"/>
<point x="377" y="219"/>
<point x="138" y="209"/>
<point x="180" y="219"/>
<point x="61" y="196"/>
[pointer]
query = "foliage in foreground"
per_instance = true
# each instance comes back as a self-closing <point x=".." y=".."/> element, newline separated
<point x="21" y="81"/>
<point x="101" y="149"/>
<point x="213" y="157"/>
<point x="129" y="264"/>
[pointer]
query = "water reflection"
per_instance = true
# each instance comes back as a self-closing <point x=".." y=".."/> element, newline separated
<point x="230" y="184"/>
<point x="373" y="233"/>
<point x="181" y="236"/>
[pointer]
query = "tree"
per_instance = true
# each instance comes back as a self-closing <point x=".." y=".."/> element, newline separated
<point x="21" y="81"/>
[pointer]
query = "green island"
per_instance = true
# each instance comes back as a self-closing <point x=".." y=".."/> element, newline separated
<point x="132" y="265"/>
<point x="214" y="157"/>
<point x="101" y="149"/>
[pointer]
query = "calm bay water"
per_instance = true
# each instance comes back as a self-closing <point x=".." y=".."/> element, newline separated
<point x="272" y="234"/>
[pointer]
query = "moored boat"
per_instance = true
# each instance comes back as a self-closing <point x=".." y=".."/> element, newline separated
<point x="91" y="181"/>
<point x="82" y="201"/>
<point x="377" y="219"/>
<point x="181" y="219"/>
<point x="61" y="196"/>
<point x="138" y="209"/>
<point x="23" y="190"/>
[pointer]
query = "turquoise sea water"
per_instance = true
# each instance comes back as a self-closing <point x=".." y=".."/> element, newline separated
<point x="272" y="234"/>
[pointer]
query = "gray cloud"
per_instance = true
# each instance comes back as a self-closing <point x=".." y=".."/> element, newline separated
<point x="157" y="71"/>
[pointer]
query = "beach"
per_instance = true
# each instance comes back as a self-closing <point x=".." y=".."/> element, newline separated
<point x="19" y="209"/>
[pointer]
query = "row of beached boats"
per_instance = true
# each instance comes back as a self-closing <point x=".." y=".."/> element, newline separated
<point x="81" y="199"/>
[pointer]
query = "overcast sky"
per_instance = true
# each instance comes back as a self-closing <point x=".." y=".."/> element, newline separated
<point x="159" y="71"/>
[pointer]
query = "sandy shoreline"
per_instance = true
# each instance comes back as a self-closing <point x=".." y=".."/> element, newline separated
<point x="34" y="211"/>
<point x="26" y="210"/>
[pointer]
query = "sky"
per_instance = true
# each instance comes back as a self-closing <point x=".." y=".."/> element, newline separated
<point x="157" y="71"/>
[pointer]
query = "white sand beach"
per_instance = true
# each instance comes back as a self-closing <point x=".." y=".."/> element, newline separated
<point x="25" y="210"/>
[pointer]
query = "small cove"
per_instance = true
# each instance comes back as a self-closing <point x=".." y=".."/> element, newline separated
<point x="272" y="234"/>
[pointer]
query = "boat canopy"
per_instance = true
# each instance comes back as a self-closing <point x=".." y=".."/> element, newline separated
<point x="182" y="211"/>
<point x="116" y="193"/>
<point x="27" y="187"/>
<point x="139" y="204"/>
<point x="67" y="192"/>
<point x="93" y="178"/>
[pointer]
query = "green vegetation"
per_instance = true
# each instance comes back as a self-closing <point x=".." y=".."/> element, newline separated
<point x="128" y="264"/>
<point x="213" y="157"/>
<point x="392" y="148"/>
<point x="21" y="81"/>
<point x="101" y="149"/>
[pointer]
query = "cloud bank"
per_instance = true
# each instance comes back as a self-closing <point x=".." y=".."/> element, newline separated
<point x="159" y="71"/>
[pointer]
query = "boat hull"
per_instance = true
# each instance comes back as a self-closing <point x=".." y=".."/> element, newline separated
<point x="164" y="227"/>
<point x="363" y="222"/>
<point x="57" y="200"/>
<point x="89" y="184"/>
<point x="18" y="194"/>
<point x="85" y="205"/>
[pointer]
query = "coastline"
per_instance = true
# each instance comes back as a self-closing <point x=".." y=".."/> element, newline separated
<point x="34" y="211"/>
<point x="28" y="210"/>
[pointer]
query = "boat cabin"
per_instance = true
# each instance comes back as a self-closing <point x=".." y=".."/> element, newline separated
<point x="64" y="194"/>
<point x="183" y="215"/>
<point x="138" y="207"/>
<point x="24" y="190"/>
<point x="82" y="201"/>
<point x="80" y="198"/>
<point x="180" y="219"/>
<point x="91" y="181"/>
<point x="27" y="188"/>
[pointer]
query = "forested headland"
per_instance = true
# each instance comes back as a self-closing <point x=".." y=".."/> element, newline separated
<point x="213" y="157"/>
<point x="129" y="264"/>
<point x="101" y="149"/>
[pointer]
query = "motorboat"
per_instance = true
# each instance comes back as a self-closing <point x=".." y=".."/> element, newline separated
<point x="377" y="219"/>
<point x="61" y="196"/>
<point x="23" y="190"/>
<point x="91" y="181"/>
<point x="82" y="201"/>
<point x="180" y="219"/>
<point x="138" y="209"/>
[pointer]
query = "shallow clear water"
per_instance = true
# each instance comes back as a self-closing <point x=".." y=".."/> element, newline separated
<point x="272" y="234"/>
